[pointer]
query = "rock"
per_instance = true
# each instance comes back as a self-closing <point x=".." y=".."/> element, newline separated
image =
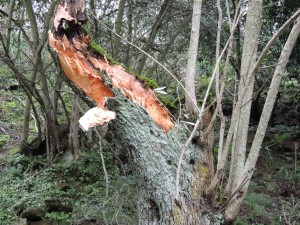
<point x="53" y="205"/>
<point x="42" y="222"/>
<point x="90" y="222"/>
<point x="33" y="214"/>
<point x="18" y="209"/>
<point x="20" y="221"/>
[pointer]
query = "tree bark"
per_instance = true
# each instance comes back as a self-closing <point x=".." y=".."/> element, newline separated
<point x="9" y="20"/>
<point x="129" y="34"/>
<point x="95" y="27"/>
<point x="252" y="31"/>
<point x="153" y="155"/>
<point x="190" y="98"/>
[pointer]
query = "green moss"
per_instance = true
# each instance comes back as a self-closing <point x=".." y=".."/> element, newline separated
<point x="131" y="70"/>
<point x="169" y="101"/>
<point x="14" y="150"/>
<point x="148" y="82"/>
<point x="100" y="51"/>
<point x="201" y="174"/>
<point x="4" y="138"/>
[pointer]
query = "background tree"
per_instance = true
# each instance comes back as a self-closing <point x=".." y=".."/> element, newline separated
<point x="118" y="27"/>
<point x="190" y="98"/>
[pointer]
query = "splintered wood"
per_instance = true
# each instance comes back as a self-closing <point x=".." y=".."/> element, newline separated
<point x="85" y="68"/>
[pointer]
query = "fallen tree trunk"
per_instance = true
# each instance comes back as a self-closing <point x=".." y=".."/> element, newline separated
<point x="140" y="127"/>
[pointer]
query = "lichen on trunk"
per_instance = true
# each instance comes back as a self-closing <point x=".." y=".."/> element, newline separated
<point x="153" y="157"/>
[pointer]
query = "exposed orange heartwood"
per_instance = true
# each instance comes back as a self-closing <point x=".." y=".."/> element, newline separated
<point x="81" y="66"/>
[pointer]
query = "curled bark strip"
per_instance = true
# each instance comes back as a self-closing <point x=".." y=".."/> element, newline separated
<point x="88" y="68"/>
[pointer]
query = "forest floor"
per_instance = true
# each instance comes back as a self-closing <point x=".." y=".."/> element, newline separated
<point x="77" y="193"/>
<point x="274" y="192"/>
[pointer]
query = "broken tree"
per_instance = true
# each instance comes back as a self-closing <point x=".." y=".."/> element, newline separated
<point x="141" y="127"/>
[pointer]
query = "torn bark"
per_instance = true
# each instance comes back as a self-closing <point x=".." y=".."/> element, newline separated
<point x="91" y="70"/>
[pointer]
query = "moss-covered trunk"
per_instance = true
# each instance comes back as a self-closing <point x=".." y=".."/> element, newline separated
<point x="152" y="156"/>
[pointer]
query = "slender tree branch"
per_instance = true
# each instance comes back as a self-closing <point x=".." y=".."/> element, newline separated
<point x="152" y="58"/>
<point x="198" y="122"/>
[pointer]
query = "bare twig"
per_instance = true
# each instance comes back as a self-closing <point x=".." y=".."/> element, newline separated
<point x="296" y="149"/>
<point x="103" y="162"/>
<point x="179" y="100"/>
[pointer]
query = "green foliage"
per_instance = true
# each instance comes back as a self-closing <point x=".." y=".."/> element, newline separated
<point x="11" y="104"/>
<point x="19" y="187"/>
<point x="59" y="217"/>
<point x="291" y="175"/>
<point x="87" y="170"/>
<point x="291" y="89"/>
<point x="14" y="150"/>
<point x="21" y="164"/>
<point x="259" y="205"/>
<point x="80" y="184"/>
<point x="290" y="211"/>
<point x="7" y="216"/>
<point x="283" y="137"/>
<point x="4" y="138"/>
<point x="10" y="109"/>
<point x="269" y="164"/>
<point x="271" y="187"/>
<point x="218" y="219"/>
<point x="281" y="129"/>
<point x="169" y="101"/>
<point x="131" y="70"/>
<point x="280" y="134"/>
